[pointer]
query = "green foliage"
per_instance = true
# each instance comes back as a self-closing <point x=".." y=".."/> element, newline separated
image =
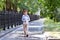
<point x="31" y="5"/>
<point x="50" y="25"/>
<point x="49" y="8"/>
<point x="2" y="4"/>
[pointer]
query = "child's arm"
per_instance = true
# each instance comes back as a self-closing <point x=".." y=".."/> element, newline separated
<point x="28" y="18"/>
<point x="23" y="19"/>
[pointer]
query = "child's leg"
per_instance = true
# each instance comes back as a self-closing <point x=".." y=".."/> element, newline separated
<point x="25" y="29"/>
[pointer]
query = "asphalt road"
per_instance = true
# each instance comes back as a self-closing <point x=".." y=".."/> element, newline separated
<point x="34" y="29"/>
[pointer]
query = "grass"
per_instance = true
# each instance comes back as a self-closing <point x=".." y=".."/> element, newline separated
<point x="50" y="25"/>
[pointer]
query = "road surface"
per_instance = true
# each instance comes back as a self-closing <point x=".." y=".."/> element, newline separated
<point x="34" y="29"/>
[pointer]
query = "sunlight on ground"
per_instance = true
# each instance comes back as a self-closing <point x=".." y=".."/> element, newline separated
<point x="52" y="29"/>
<point x="53" y="34"/>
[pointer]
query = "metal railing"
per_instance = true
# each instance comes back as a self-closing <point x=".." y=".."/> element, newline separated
<point x="10" y="18"/>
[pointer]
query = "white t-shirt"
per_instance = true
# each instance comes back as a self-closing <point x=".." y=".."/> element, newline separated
<point x="25" y="19"/>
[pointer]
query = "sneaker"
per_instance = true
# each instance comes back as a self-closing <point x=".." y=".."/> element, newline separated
<point x="26" y="36"/>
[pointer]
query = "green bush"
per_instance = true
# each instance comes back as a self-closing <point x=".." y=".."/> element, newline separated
<point x="50" y="25"/>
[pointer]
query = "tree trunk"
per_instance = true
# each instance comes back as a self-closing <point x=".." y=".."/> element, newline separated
<point x="15" y="6"/>
<point x="8" y="5"/>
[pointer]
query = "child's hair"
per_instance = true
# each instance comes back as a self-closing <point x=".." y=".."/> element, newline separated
<point x="24" y="10"/>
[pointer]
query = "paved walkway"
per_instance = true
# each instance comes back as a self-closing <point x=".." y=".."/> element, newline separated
<point x="35" y="29"/>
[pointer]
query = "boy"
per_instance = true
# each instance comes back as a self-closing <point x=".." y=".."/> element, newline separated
<point x="25" y="19"/>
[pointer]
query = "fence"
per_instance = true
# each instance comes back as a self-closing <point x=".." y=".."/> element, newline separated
<point x="10" y="18"/>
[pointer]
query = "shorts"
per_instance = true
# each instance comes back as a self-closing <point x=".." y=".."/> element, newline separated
<point x="25" y="22"/>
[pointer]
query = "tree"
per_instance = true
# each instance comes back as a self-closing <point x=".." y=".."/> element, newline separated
<point x="2" y="5"/>
<point x="49" y="8"/>
<point x="8" y="5"/>
<point x="31" y="5"/>
<point x="14" y="5"/>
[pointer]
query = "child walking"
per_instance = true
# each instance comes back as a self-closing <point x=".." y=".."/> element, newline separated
<point x="25" y="19"/>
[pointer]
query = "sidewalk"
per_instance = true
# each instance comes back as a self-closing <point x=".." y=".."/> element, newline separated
<point x="35" y="27"/>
